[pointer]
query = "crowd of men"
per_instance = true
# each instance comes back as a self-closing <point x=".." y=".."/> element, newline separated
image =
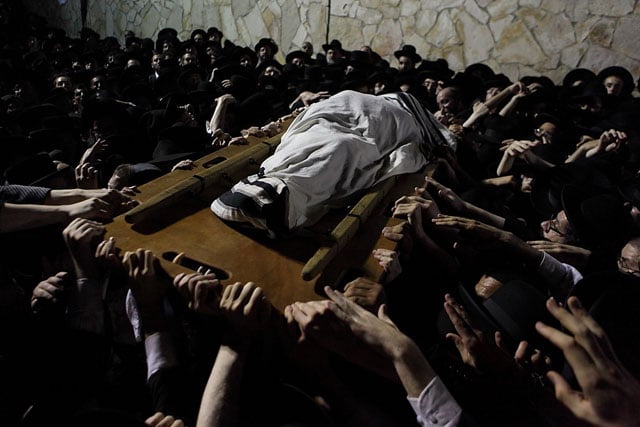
<point x="512" y="297"/>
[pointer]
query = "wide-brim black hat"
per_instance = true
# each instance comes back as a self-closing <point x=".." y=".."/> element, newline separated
<point x="620" y="72"/>
<point x="410" y="52"/>
<point x="334" y="45"/>
<point x="439" y="68"/>
<point x="267" y="42"/>
<point x="480" y="70"/>
<point x="168" y="32"/>
<point x="360" y="60"/>
<point x="296" y="54"/>
<point x="578" y="75"/>
<point x="268" y="63"/>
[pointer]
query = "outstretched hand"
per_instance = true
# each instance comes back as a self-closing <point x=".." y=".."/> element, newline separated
<point x="82" y="237"/>
<point x="366" y="293"/>
<point x="610" y="394"/>
<point x="489" y="240"/>
<point x="444" y="194"/>
<point x="246" y="308"/>
<point x="574" y="255"/>
<point x="202" y="291"/>
<point x="149" y="286"/>
<point x="476" y="349"/>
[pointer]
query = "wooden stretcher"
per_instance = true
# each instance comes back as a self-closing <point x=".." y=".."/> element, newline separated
<point x="175" y="222"/>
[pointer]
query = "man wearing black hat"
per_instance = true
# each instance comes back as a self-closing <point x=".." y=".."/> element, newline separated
<point x="407" y="58"/>
<point x="333" y="52"/>
<point x="265" y="49"/>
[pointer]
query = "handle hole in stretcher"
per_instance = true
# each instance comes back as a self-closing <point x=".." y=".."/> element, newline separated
<point x="193" y="264"/>
<point x="214" y="162"/>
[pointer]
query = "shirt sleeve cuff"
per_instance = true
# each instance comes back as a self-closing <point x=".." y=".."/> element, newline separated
<point x="556" y="272"/>
<point x="436" y="406"/>
<point x="160" y="352"/>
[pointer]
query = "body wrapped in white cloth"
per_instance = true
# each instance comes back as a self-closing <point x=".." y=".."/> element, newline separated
<point x="332" y="151"/>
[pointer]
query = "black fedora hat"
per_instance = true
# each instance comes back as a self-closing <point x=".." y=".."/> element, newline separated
<point x="623" y="74"/>
<point x="334" y="45"/>
<point x="268" y="63"/>
<point x="168" y="32"/>
<point x="409" y="51"/>
<point x="439" y="69"/>
<point x="360" y="60"/>
<point x="296" y="54"/>
<point x="576" y="75"/>
<point x="267" y="42"/>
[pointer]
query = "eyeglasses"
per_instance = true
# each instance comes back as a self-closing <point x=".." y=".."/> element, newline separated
<point x="541" y="133"/>
<point x="554" y="225"/>
<point x="623" y="264"/>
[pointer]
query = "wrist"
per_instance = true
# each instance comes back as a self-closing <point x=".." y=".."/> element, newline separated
<point x="401" y="349"/>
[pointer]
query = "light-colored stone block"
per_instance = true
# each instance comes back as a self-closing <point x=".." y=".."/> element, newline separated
<point x="409" y="8"/>
<point x="454" y="56"/>
<point x="348" y="31"/>
<point x="174" y="20"/>
<point x="441" y="5"/>
<point x="241" y="7"/>
<point x="611" y="8"/>
<point x="551" y="63"/>
<point x="471" y="7"/>
<point x="377" y="3"/>
<point x="368" y="16"/>
<point x="626" y="39"/>
<point x="230" y="30"/>
<point x="517" y="45"/>
<point x="408" y="25"/>
<point x="388" y="38"/>
<point x="369" y="32"/>
<point x="579" y="11"/>
<point x="290" y="25"/>
<point x="108" y="20"/>
<point x="502" y="8"/>
<point x="443" y="32"/>
<point x="390" y="12"/>
<point x="478" y="38"/>
<point x="554" y="33"/>
<point x="317" y="20"/>
<point x="425" y="21"/>
<point x="597" y="31"/>
<point x="300" y="37"/>
<point x="150" y="22"/>
<point x="572" y="55"/>
<point x="497" y="26"/>
<point x="555" y="6"/>
<point x="341" y="7"/>
<point x="530" y="16"/>
<point x="530" y="3"/>
<point x="598" y="58"/>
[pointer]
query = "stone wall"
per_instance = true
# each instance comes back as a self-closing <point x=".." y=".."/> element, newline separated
<point x="516" y="37"/>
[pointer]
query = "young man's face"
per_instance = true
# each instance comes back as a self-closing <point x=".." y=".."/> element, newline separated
<point x="405" y="63"/>
<point x="614" y="85"/>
